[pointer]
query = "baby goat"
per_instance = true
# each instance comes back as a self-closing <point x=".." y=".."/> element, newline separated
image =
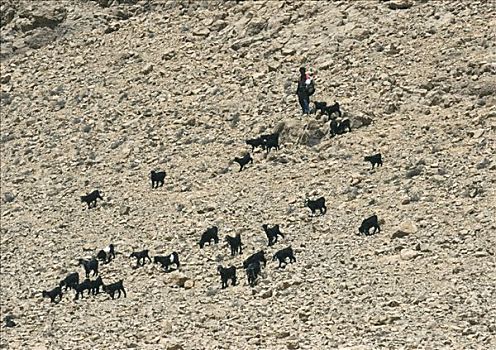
<point x="227" y="274"/>
<point x="115" y="287"/>
<point x="252" y="272"/>
<point x="243" y="160"/>
<point x="52" y="294"/>
<point x="89" y="265"/>
<point x="367" y="224"/>
<point x="157" y="178"/>
<point x="106" y="254"/>
<point x="319" y="204"/>
<point x="167" y="260"/>
<point x="282" y="254"/>
<point x="338" y="128"/>
<point x="257" y="257"/>
<point x="141" y="255"/>
<point x="375" y="159"/>
<point x="272" y="233"/>
<point x="235" y="244"/>
<point x="210" y="234"/>
<point x="91" y="198"/>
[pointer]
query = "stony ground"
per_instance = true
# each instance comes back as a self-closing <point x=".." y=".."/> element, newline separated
<point x="95" y="94"/>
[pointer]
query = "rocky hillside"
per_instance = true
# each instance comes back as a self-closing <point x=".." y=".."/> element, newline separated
<point x="96" y="94"/>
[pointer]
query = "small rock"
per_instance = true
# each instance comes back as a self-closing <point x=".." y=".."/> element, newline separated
<point x="406" y="228"/>
<point x="189" y="284"/>
<point x="124" y="210"/>
<point x="413" y="172"/>
<point x="281" y="335"/>
<point x="409" y="254"/>
<point x="8" y="197"/>
<point x="400" y="4"/>
<point x="148" y="69"/>
<point x="266" y="294"/>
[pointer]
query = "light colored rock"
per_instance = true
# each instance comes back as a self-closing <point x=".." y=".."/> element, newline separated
<point x="406" y="228"/>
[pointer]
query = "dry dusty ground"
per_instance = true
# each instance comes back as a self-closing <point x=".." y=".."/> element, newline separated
<point x="96" y="96"/>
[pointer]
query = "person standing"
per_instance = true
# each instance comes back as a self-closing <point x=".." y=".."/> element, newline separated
<point x="304" y="90"/>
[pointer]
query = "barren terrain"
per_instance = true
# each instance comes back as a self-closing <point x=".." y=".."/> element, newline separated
<point x="96" y="94"/>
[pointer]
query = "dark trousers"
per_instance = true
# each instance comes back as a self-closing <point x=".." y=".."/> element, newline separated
<point x="304" y="103"/>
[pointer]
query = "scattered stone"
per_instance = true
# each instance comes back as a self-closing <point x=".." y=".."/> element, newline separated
<point x="409" y="254"/>
<point x="406" y="228"/>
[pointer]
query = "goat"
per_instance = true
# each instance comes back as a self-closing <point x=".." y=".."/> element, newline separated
<point x="252" y="272"/>
<point x="9" y="321"/>
<point x="254" y="143"/>
<point x="243" y="160"/>
<point x="270" y="141"/>
<point x="89" y="265"/>
<point x="81" y="287"/>
<point x="106" y="254"/>
<point x="227" y="274"/>
<point x="235" y="244"/>
<point x="167" y="260"/>
<point x="282" y="254"/>
<point x="367" y="224"/>
<point x="95" y="285"/>
<point x="157" y="178"/>
<point x="210" y="234"/>
<point x="272" y="233"/>
<point x="257" y="257"/>
<point x="338" y="128"/>
<point x="52" y="294"/>
<point x="319" y="204"/>
<point x="375" y="159"/>
<point x="71" y="281"/>
<point x="329" y="110"/>
<point x="115" y="287"/>
<point x="141" y="255"/>
<point x="91" y="198"/>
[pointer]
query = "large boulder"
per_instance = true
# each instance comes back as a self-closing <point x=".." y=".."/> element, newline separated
<point x="308" y="133"/>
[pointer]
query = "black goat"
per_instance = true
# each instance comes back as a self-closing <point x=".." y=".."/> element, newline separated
<point x="257" y="257"/>
<point x="319" y="204"/>
<point x="270" y="141"/>
<point x="212" y="233"/>
<point x="329" y="110"/>
<point x="272" y="233"/>
<point x="95" y="285"/>
<point x="235" y="244"/>
<point x="167" y="260"/>
<point x="89" y="265"/>
<point x="115" y="287"/>
<point x="282" y="254"/>
<point x="71" y="281"/>
<point x="81" y="287"/>
<point x="157" y="178"/>
<point x="227" y="274"/>
<point x="9" y="321"/>
<point x="254" y="143"/>
<point x="338" y="128"/>
<point x="140" y="255"/>
<point x="106" y="254"/>
<point x="367" y="224"/>
<point x="243" y="160"/>
<point x="52" y="294"/>
<point x="252" y="272"/>
<point x="91" y="198"/>
<point x="375" y="159"/>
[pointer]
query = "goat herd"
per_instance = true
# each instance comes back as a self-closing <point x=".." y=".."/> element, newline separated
<point x="252" y="265"/>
